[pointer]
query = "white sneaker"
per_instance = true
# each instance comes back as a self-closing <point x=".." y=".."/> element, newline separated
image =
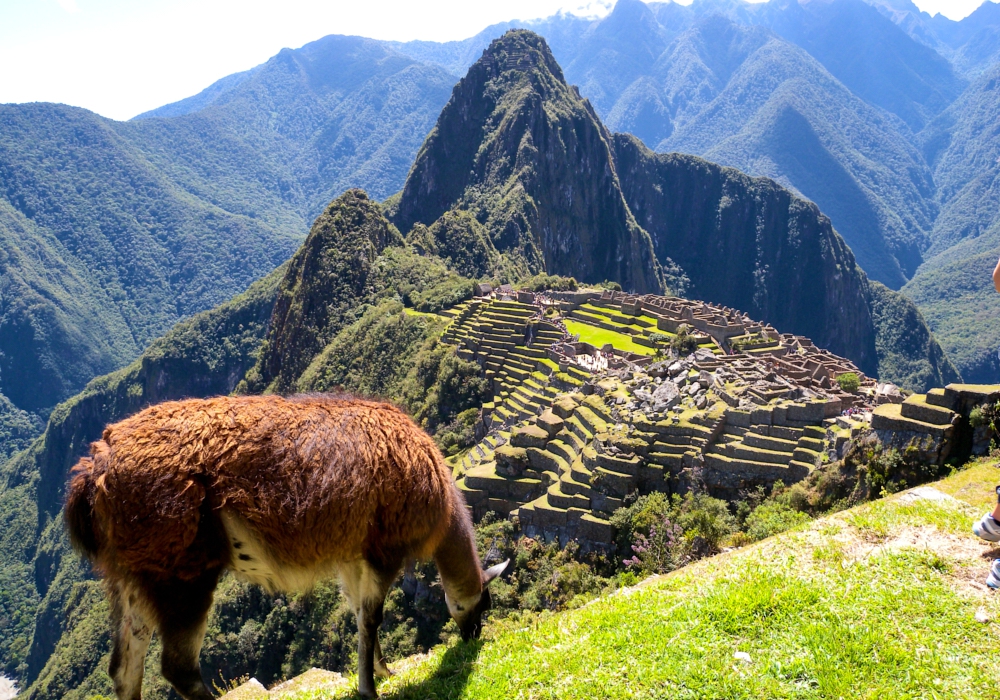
<point x="993" y="580"/>
<point x="986" y="528"/>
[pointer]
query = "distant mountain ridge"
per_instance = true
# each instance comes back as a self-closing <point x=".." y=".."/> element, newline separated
<point x="114" y="231"/>
<point x="780" y="89"/>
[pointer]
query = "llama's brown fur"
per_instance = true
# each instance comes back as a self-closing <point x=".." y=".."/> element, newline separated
<point x="317" y="481"/>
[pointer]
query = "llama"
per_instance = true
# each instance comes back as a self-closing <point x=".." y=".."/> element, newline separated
<point x="283" y="492"/>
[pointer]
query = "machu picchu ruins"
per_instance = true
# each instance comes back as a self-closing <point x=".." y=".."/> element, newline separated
<point x="599" y="396"/>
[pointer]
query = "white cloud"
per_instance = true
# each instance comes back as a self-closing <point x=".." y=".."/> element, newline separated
<point x="952" y="9"/>
<point x="69" y="5"/>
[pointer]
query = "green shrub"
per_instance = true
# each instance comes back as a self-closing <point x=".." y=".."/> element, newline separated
<point x="977" y="417"/>
<point x="542" y="282"/>
<point x="772" y="517"/>
<point x="684" y="343"/>
<point x="849" y="382"/>
<point x="658" y="552"/>
<point x="637" y="518"/>
<point x="701" y="516"/>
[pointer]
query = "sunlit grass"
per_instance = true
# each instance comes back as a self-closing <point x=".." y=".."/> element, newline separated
<point x="598" y="337"/>
<point x="809" y="617"/>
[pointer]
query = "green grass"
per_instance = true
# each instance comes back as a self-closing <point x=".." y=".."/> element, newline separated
<point x="821" y="612"/>
<point x="598" y="337"/>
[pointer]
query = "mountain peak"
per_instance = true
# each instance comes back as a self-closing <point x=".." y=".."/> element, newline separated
<point x="519" y="50"/>
<point x="528" y="159"/>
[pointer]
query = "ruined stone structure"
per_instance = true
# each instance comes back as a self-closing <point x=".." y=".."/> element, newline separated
<point x="574" y="428"/>
<point x="938" y="424"/>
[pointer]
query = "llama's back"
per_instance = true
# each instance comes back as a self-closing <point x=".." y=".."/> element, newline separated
<point x="308" y="481"/>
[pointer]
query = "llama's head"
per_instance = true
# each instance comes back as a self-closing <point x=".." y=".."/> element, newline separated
<point x="468" y="614"/>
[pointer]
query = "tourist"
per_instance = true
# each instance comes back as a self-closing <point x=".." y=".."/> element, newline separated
<point x="988" y="528"/>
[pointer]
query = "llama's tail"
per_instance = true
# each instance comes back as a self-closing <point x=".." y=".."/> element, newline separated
<point x="79" y="512"/>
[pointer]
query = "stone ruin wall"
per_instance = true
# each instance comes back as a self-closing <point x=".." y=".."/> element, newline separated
<point x="574" y="431"/>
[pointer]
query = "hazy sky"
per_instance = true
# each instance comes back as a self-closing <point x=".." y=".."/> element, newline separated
<point x="123" y="57"/>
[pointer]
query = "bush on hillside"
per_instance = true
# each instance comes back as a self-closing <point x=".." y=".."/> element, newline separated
<point x="772" y="517"/>
<point x="684" y="343"/>
<point x="849" y="382"/>
<point x="542" y="282"/>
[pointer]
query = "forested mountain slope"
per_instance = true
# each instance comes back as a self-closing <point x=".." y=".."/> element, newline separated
<point x="971" y="44"/>
<point x="954" y="287"/>
<point x="334" y="318"/>
<point x="113" y="231"/>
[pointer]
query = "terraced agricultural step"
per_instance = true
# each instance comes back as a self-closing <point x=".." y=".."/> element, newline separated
<point x="811" y="443"/>
<point x="755" y="454"/>
<point x="667" y="459"/>
<point x="740" y="469"/>
<point x="806" y="456"/>
<point x="557" y="498"/>
<point x="542" y="515"/>
<point x="581" y="431"/>
<point x="580" y="473"/>
<point x="918" y="408"/>
<point x="612" y="483"/>
<point x="574" y="441"/>
<point x="814" y="431"/>
<point x="765" y="442"/>
<point x="569" y="485"/>
<point x="559" y="448"/>
<point x="590" y="527"/>
<point x="937" y="397"/>
<point x="547" y="460"/>
<point x="785" y="433"/>
<point x="590" y="420"/>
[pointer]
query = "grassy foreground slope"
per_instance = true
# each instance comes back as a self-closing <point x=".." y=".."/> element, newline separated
<point x="884" y="600"/>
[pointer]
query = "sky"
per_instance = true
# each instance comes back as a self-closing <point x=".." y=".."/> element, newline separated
<point x="123" y="57"/>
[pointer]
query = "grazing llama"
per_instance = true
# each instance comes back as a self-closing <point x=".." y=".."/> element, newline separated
<point x="284" y="492"/>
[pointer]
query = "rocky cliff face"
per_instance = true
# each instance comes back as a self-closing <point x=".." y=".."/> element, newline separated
<point x="751" y="244"/>
<point x="522" y="151"/>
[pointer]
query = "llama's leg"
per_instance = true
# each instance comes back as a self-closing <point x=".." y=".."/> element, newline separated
<point x="381" y="669"/>
<point x="366" y="588"/>
<point x="130" y="640"/>
<point x="183" y="607"/>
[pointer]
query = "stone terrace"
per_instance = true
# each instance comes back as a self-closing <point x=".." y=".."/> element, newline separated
<point x="574" y="429"/>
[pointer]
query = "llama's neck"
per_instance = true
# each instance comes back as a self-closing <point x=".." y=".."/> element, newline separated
<point x="458" y="561"/>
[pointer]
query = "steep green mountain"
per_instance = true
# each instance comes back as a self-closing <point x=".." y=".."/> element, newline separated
<point x="507" y="149"/>
<point x="954" y="288"/>
<point x="288" y="136"/>
<point x="685" y="79"/>
<point x="113" y="231"/>
<point x="751" y="244"/>
<point x="964" y="144"/>
<point x="971" y="44"/>
<point x="103" y="252"/>
<point x="780" y="114"/>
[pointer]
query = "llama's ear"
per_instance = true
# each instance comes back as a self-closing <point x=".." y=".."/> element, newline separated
<point x="494" y="571"/>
